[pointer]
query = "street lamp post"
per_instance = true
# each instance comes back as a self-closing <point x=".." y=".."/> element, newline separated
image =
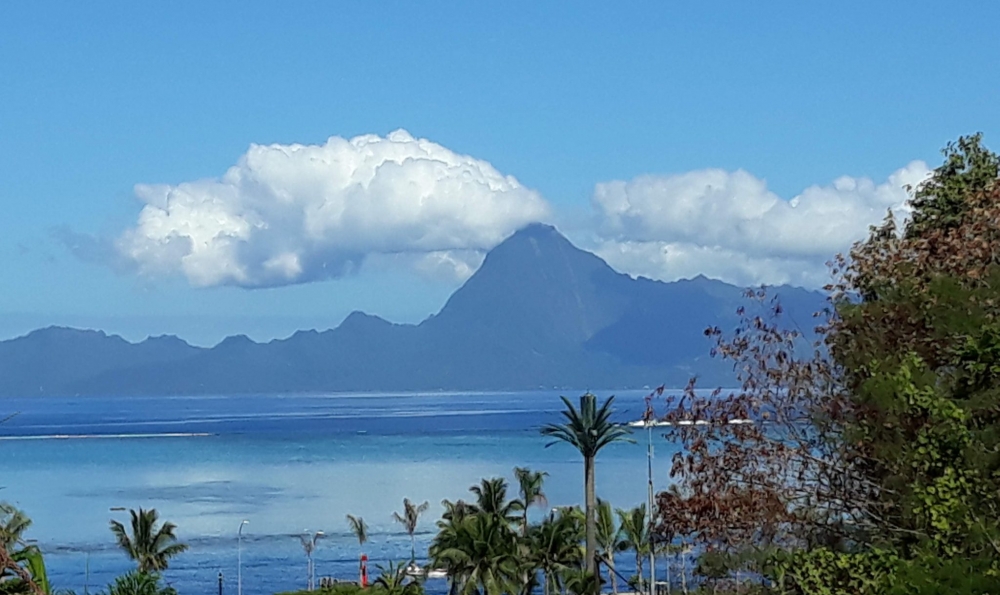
<point x="652" y="503"/>
<point x="239" y="558"/>
<point x="649" y="424"/>
<point x="309" y="545"/>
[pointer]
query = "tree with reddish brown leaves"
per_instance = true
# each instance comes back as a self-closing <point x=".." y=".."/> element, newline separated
<point x="884" y="435"/>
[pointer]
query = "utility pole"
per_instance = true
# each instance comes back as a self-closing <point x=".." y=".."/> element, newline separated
<point x="239" y="558"/>
<point x="652" y="503"/>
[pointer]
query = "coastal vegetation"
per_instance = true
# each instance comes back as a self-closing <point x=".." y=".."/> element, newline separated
<point x="22" y="568"/>
<point x="869" y="463"/>
<point x="875" y="467"/>
<point x="151" y="547"/>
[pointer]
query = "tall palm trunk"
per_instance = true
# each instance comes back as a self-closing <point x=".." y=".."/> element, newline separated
<point x="590" y="497"/>
<point x="639" y="570"/>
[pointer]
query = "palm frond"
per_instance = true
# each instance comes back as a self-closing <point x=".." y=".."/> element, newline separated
<point x="358" y="527"/>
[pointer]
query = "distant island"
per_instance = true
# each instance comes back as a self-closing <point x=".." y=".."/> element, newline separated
<point x="539" y="313"/>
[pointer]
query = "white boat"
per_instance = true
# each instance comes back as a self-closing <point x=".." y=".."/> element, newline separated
<point x="416" y="571"/>
<point x="684" y="422"/>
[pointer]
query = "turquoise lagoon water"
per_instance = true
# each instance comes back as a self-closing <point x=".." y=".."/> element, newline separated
<point x="286" y="464"/>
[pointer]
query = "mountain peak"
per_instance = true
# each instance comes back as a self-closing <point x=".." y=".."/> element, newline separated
<point x="537" y="230"/>
<point x="534" y="234"/>
<point x="362" y="321"/>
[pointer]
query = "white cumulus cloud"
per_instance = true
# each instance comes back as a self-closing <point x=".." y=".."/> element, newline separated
<point x="294" y="213"/>
<point x="728" y="225"/>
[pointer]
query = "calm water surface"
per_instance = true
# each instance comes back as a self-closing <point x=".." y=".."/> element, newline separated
<point x="286" y="464"/>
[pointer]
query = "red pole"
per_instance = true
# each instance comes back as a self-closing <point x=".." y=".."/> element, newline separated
<point x="364" y="571"/>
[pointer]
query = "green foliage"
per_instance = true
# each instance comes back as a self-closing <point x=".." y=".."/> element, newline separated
<point x="150" y="546"/>
<point x="480" y="551"/>
<point x="969" y="167"/>
<point x="634" y="527"/>
<point x="28" y="558"/>
<point x="578" y="581"/>
<point x="894" y="488"/>
<point x="13" y="524"/>
<point x="491" y="499"/>
<point x="609" y="539"/>
<point x="529" y="485"/>
<point x="822" y="571"/>
<point x="411" y="588"/>
<point x="394" y="580"/>
<point x="138" y="583"/>
<point x="359" y="527"/>
<point x="554" y="546"/>
<point x="589" y="430"/>
<point x="410" y="519"/>
<point x="486" y="549"/>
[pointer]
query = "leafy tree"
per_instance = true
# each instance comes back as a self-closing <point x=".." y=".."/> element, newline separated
<point x="150" y="546"/>
<point x="969" y="168"/>
<point x="410" y="519"/>
<point x="589" y="430"/>
<point x="877" y="466"/>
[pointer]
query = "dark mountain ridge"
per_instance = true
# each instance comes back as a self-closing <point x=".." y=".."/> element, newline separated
<point x="539" y="312"/>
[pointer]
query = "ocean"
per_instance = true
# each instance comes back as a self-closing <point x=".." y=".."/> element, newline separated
<point x="288" y="464"/>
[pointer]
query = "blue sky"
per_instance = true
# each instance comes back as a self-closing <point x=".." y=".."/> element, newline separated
<point x="99" y="97"/>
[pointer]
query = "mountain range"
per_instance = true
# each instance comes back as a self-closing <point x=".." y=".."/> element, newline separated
<point x="538" y="313"/>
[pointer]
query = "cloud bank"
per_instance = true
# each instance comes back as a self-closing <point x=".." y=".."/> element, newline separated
<point x="728" y="225"/>
<point x="288" y="214"/>
<point x="295" y="213"/>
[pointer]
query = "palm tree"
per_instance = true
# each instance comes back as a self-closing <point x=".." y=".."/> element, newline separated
<point x="491" y="498"/>
<point x="609" y="539"/>
<point x="479" y="553"/>
<point x="138" y="583"/>
<point x="455" y="511"/>
<point x="635" y="530"/>
<point x="149" y="546"/>
<point x="409" y="519"/>
<point x="588" y="430"/>
<point x="13" y="524"/>
<point x="555" y="547"/>
<point x="530" y="488"/>
<point x="359" y="527"/>
<point x="22" y="568"/>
